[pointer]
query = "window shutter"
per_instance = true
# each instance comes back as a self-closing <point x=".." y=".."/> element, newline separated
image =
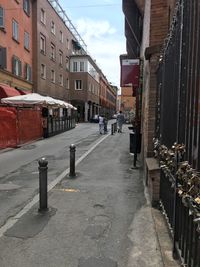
<point x="3" y="58"/>
<point x="26" y="6"/>
<point x="20" y="68"/>
<point x="1" y="17"/>
<point x="25" y="71"/>
<point x="29" y="72"/>
<point x="13" y="65"/>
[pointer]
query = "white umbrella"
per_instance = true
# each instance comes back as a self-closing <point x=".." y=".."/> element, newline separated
<point x="62" y="103"/>
<point x="29" y="99"/>
<point x="34" y="98"/>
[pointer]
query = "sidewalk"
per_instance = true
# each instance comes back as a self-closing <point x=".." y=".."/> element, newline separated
<point x="100" y="218"/>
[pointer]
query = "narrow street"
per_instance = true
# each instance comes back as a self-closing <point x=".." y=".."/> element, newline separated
<point x="100" y="218"/>
<point x="19" y="177"/>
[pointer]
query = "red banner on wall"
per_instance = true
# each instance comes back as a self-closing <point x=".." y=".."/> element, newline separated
<point x="130" y="72"/>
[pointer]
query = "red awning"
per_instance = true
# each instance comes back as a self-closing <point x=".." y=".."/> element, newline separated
<point x="23" y="92"/>
<point x="7" y="91"/>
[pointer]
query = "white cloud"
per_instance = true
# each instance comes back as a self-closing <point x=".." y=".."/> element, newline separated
<point x="94" y="29"/>
<point x="104" y="44"/>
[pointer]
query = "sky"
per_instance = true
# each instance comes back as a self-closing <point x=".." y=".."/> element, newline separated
<point x="100" y="23"/>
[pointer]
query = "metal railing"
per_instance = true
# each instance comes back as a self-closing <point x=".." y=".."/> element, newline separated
<point x="59" y="125"/>
<point x="180" y="202"/>
<point x="178" y="110"/>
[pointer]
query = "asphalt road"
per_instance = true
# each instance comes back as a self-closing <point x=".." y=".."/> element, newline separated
<point x="100" y="218"/>
<point x="19" y="176"/>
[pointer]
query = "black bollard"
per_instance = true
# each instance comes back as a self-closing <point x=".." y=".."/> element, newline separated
<point x="135" y="160"/>
<point x="43" y="185"/>
<point x="111" y="129"/>
<point x="115" y="127"/>
<point x="72" y="160"/>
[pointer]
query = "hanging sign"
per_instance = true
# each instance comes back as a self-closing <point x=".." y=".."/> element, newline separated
<point x="130" y="72"/>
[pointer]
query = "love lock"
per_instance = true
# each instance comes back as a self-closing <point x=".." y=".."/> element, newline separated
<point x="197" y="220"/>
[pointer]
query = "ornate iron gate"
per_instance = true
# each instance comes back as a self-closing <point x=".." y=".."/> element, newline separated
<point x="178" y="114"/>
<point x="178" y="121"/>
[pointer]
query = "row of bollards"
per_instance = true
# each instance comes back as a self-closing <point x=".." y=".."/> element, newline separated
<point x="43" y="184"/>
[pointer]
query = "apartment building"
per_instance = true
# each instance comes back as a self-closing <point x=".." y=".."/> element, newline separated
<point x="84" y="85"/>
<point x="42" y="52"/>
<point x="16" y="63"/>
<point x="111" y="98"/>
<point x="53" y="45"/>
<point x="107" y="97"/>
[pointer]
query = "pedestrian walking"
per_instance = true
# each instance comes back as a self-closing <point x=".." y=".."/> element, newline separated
<point x="120" y="121"/>
<point x="101" y="124"/>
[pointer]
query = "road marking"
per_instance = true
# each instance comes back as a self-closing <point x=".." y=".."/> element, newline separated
<point x="68" y="190"/>
<point x="11" y="221"/>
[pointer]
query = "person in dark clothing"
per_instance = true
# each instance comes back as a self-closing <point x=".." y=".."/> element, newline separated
<point x="120" y="121"/>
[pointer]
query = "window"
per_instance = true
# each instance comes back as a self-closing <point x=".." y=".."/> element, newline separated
<point x="75" y="66"/>
<point x="3" y="57"/>
<point x="43" y="16"/>
<point x="27" y="72"/>
<point x="90" y="87"/>
<point x="78" y="85"/>
<point x="53" y="27"/>
<point x="67" y="63"/>
<point x="67" y="83"/>
<point x="53" y="76"/>
<point x="1" y="17"/>
<point x="61" y="79"/>
<point x="61" y="36"/>
<point x="43" y="71"/>
<point x="82" y="66"/>
<point x="16" y="66"/>
<point x="42" y="44"/>
<point x="53" y="52"/>
<point x="15" y="30"/>
<point x="67" y="43"/>
<point x="60" y="58"/>
<point x="26" y="6"/>
<point x="26" y="40"/>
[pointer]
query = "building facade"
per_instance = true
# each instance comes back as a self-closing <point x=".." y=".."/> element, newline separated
<point x="111" y="99"/>
<point x="127" y="99"/>
<point x="84" y="86"/>
<point x="128" y="102"/>
<point x="16" y="64"/>
<point x="52" y="48"/>
<point x="42" y="52"/>
<point x="145" y="34"/>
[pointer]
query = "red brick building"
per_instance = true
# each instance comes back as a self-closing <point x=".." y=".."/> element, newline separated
<point x="127" y="99"/>
<point x="146" y="27"/>
<point x="52" y="48"/>
<point x="62" y="67"/>
<point x="107" y="97"/>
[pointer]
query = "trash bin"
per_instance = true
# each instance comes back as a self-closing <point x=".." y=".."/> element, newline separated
<point x="135" y="142"/>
